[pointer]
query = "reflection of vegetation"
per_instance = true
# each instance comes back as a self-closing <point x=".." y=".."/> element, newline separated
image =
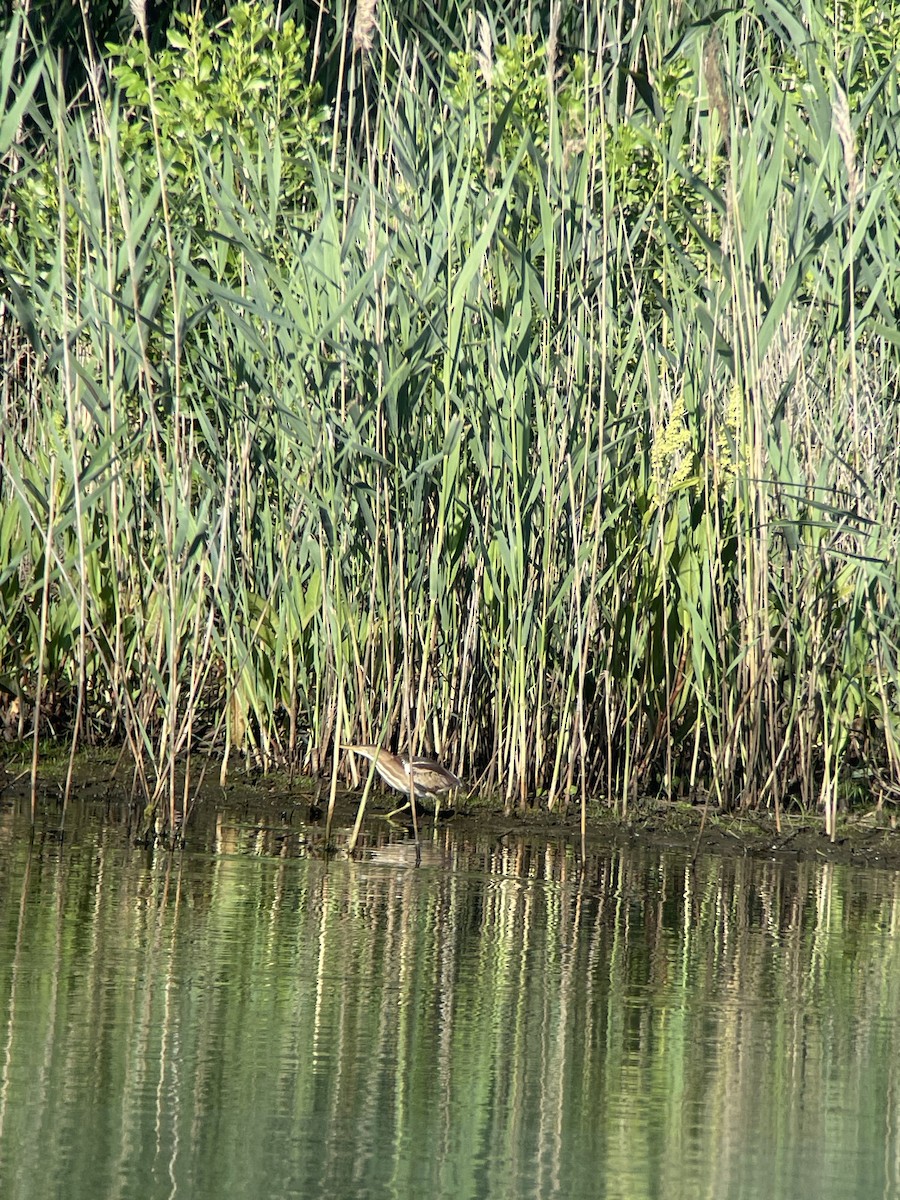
<point x="525" y="395"/>
<point x="247" y="1019"/>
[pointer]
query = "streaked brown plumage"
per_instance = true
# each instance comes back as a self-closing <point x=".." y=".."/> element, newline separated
<point x="428" y="778"/>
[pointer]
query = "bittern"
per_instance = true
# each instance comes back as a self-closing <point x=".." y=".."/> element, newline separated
<point x="428" y="778"/>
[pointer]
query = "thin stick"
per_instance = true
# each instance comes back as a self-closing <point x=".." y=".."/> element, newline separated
<point x="45" y="605"/>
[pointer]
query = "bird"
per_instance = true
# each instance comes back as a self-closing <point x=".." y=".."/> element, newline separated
<point x="429" y="778"/>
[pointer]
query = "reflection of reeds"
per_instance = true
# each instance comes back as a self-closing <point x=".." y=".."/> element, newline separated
<point x="634" y="1017"/>
<point x="522" y="436"/>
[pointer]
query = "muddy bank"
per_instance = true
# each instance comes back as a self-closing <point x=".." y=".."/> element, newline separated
<point x="866" y="840"/>
<point x="295" y="805"/>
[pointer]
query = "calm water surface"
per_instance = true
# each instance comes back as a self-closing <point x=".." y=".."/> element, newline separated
<point x="246" y="1019"/>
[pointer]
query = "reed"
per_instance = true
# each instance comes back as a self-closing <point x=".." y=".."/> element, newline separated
<point x="536" y="407"/>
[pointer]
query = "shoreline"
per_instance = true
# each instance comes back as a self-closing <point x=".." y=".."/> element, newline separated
<point x="864" y="838"/>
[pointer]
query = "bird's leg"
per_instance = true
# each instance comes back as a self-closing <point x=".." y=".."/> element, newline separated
<point x="395" y="811"/>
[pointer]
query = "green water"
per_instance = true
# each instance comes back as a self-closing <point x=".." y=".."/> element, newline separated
<point x="248" y="1020"/>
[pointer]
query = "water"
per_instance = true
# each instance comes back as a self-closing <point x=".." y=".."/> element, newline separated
<point x="247" y="1019"/>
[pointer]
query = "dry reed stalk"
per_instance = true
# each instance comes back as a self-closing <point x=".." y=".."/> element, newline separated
<point x="364" y="25"/>
<point x="715" y="84"/>
<point x="552" y="48"/>
<point x="139" y="12"/>
<point x="484" y="55"/>
<point x="840" y="117"/>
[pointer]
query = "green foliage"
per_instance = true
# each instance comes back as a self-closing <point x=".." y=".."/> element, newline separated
<point x="540" y="432"/>
<point x="219" y="100"/>
<point x="510" y="81"/>
<point x="216" y="92"/>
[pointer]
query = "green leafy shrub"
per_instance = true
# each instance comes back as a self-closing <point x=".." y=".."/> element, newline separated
<point x="231" y="87"/>
<point x="226" y="102"/>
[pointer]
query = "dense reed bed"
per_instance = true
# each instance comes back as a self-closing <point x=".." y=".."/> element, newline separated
<point x="522" y="392"/>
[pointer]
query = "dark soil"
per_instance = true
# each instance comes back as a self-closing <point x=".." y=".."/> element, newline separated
<point x="867" y="840"/>
<point x="863" y="838"/>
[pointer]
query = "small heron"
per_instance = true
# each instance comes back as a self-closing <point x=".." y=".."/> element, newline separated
<point x="429" y="778"/>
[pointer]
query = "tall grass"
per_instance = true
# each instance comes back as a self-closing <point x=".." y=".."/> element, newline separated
<point x="544" y="419"/>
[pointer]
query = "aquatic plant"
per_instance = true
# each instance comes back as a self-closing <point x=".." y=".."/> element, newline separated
<point x="549" y="426"/>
